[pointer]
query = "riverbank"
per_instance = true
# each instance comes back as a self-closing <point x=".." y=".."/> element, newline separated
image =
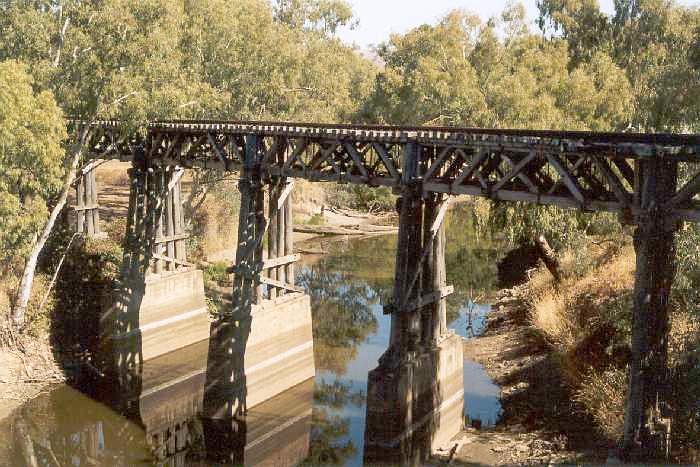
<point x="559" y="352"/>
<point x="534" y="400"/>
<point x="527" y="348"/>
<point x="26" y="374"/>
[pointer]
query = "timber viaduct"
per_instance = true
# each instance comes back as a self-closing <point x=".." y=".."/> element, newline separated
<point x="650" y="180"/>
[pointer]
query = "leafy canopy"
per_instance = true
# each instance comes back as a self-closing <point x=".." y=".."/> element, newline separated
<point x="32" y="131"/>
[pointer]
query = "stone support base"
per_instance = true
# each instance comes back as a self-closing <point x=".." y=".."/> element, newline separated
<point x="416" y="407"/>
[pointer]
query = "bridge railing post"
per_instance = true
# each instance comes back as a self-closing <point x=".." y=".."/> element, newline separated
<point x="647" y="424"/>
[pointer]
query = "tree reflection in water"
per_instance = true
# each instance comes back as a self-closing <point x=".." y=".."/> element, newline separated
<point x="329" y="429"/>
<point x="348" y="286"/>
<point x="342" y="314"/>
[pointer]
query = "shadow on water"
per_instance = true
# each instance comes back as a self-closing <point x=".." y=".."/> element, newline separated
<point x="160" y="403"/>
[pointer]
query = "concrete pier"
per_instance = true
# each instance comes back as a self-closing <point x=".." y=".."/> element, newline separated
<point x="424" y="399"/>
<point x="169" y="314"/>
<point x="256" y="357"/>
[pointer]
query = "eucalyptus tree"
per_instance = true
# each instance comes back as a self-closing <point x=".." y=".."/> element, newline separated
<point x="654" y="41"/>
<point x="324" y="16"/>
<point x="463" y="72"/>
<point x="107" y="59"/>
<point x="276" y="64"/>
<point x="32" y="131"/>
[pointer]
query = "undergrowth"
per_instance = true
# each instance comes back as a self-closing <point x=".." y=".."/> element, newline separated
<point x="586" y="321"/>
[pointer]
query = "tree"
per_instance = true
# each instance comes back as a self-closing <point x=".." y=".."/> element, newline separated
<point x="32" y="131"/>
<point x="653" y="41"/>
<point x="274" y="66"/>
<point x="462" y="72"/>
<point x="110" y="59"/>
<point x="322" y="16"/>
<point x="428" y="78"/>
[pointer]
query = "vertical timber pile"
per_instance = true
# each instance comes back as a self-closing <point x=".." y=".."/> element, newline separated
<point x="420" y="375"/>
<point x="647" y="424"/>
<point x="87" y="211"/>
<point x="169" y="253"/>
<point x="225" y="395"/>
<point x="123" y="356"/>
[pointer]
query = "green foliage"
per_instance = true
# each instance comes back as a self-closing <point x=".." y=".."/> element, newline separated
<point x="277" y="66"/>
<point x="361" y="197"/>
<point x="460" y="72"/>
<point x="32" y="131"/>
<point x="216" y="272"/>
<point x="686" y="287"/>
<point x="323" y="16"/>
<point x="116" y="58"/>
<point x="316" y="219"/>
<point x="654" y="41"/>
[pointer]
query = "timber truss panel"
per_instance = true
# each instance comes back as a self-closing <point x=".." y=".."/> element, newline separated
<point x="582" y="170"/>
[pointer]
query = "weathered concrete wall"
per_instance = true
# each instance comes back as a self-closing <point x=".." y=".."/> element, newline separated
<point x="170" y="314"/>
<point x="424" y="398"/>
<point x="272" y="351"/>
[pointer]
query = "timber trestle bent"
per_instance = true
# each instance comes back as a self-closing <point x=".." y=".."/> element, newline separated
<point x="650" y="180"/>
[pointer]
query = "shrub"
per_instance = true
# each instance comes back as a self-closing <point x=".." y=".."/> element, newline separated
<point x="361" y="197"/>
<point x="603" y="396"/>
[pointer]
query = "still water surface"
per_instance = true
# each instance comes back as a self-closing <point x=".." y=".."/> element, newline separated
<point x="319" y="422"/>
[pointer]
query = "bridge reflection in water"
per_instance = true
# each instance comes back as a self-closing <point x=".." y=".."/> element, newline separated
<point x="326" y="421"/>
<point x="164" y="424"/>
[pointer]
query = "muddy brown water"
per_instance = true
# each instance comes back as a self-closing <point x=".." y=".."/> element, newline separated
<point x="320" y="422"/>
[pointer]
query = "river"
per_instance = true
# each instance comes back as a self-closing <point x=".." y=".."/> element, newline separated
<point x="319" y="422"/>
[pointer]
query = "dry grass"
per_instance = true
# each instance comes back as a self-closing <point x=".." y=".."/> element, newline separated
<point x="603" y="396"/>
<point x="27" y="362"/>
<point x="216" y="220"/>
<point x="564" y="313"/>
<point x="581" y="319"/>
<point x="573" y="317"/>
<point x="309" y="198"/>
<point x="684" y="336"/>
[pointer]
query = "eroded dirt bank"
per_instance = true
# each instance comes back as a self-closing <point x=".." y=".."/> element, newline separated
<point x="540" y="423"/>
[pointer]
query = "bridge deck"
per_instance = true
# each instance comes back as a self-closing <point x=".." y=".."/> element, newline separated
<point x="584" y="170"/>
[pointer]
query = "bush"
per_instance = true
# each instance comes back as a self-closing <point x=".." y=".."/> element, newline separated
<point x="215" y="222"/>
<point x="361" y="197"/>
<point x="603" y="396"/>
<point x="216" y="272"/>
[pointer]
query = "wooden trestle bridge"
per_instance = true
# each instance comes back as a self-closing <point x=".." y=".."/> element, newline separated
<point x="651" y="180"/>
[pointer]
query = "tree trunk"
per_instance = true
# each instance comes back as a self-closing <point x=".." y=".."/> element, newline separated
<point x="25" y="286"/>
